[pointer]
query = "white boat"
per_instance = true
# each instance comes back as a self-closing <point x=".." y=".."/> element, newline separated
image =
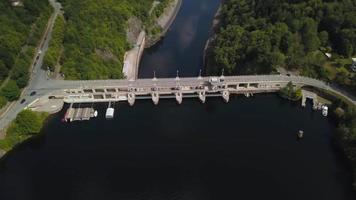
<point x="324" y="110"/>
<point x="95" y="113"/>
<point x="109" y="113"/>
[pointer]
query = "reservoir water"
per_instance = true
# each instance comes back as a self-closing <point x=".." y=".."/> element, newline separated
<point x="183" y="46"/>
<point x="246" y="149"/>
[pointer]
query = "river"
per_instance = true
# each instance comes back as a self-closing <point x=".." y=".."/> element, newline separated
<point x="182" y="47"/>
<point x="246" y="149"/>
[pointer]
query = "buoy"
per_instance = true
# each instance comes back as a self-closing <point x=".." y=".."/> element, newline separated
<point x="300" y="134"/>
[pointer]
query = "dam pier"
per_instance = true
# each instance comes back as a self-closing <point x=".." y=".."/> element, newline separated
<point x="55" y="94"/>
<point x="177" y="89"/>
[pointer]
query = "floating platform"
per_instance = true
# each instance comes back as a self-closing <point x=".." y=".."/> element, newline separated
<point x="79" y="114"/>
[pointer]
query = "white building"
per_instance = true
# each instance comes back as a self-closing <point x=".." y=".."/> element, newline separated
<point x="16" y="3"/>
<point x="353" y="66"/>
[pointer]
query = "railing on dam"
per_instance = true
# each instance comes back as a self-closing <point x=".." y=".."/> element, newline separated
<point x="178" y="88"/>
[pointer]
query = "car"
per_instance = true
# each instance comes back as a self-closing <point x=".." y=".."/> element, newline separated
<point x="288" y="74"/>
<point x="22" y="101"/>
<point x="33" y="93"/>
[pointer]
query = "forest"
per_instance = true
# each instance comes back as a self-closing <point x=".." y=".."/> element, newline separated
<point x="95" y="36"/>
<point x="20" y="31"/>
<point x="260" y="36"/>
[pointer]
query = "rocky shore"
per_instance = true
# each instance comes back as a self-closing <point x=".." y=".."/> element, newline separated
<point x="139" y="39"/>
<point x="207" y="56"/>
<point x="164" y="22"/>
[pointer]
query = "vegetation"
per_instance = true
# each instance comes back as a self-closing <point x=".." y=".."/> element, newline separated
<point x="346" y="131"/>
<point x="258" y="36"/>
<point x="159" y="9"/>
<point x="95" y="36"/>
<point x="20" y="31"/>
<point x="26" y="124"/>
<point x="3" y="101"/>
<point x="10" y="91"/>
<point x="291" y="92"/>
<point x="55" y="48"/>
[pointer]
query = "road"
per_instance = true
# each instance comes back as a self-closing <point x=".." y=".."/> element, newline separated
<point x="43" y="86"/>
<point x="38" y="76"/>
<point x="56" y="85"/>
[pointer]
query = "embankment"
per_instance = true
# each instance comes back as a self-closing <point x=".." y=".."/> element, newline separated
<point x="207" y="58"/>
<point x="132" y="57"/>
<point x="164" y="22"/>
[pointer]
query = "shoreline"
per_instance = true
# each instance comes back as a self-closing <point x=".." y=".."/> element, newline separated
<point x="132" y="57"/>
<point x="167" y="19"/>
<point x="216" y="24"/>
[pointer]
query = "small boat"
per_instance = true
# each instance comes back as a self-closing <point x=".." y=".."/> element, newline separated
<point x="300" y="134"/>
<point x="324" y="110"/>
<point x="95" y="113"/>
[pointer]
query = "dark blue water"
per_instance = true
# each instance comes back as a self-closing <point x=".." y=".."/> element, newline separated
<point x="183" y="46"/>
<point x="246" y="149"/>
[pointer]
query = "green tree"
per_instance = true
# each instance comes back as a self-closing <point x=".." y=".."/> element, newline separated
<point x="310" y="35"/>
<point x="11" y="91"/>
<point x="28" y="122"/>
<point x="324" y="38"/>
<point x="3" y="101"/>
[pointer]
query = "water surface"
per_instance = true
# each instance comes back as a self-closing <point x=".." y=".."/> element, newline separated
<point x="246" y="149"/>
<point x="183" y="46"/>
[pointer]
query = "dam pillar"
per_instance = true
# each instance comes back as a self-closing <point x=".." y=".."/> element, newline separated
<point x="131" y="97"/>
<point x="202" y="96"/>
<point x="155" y="97"/>
<point x="226" y="95"/>
<point x="179" y="97"/>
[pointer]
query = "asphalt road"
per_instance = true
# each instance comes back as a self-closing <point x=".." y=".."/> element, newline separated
<point x="43" y="86"/>
<point x="38" y="76"/>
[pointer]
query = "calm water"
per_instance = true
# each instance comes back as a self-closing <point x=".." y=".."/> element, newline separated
<point x="193" y="151"/>
<point x="182" y="48"/>
<point x="246" y="149"/>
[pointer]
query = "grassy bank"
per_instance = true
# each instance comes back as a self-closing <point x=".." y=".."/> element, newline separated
<point x="26" y="125"/>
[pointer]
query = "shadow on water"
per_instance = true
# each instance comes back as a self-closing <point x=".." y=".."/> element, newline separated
<point x="189" y="151"/>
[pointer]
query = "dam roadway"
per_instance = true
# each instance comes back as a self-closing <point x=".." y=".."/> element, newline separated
<point x="52" y="94"/>
<point x="118" y="90"/>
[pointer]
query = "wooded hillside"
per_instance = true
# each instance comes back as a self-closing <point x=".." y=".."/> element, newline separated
<point x="95" y="36"/>
<point x="258" y="36"/>
<point x="21" y="28"/>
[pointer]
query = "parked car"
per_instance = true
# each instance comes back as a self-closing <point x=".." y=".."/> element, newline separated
<point x="33" y="93"/>
<point x="22" y="101"/>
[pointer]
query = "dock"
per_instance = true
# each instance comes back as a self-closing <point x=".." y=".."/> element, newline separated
<point x="309" y="95"/>
<point x="79" y="114"/>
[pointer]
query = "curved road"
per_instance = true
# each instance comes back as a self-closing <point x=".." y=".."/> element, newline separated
<point x="38" y="76"/>
<point x="43" y="86"/>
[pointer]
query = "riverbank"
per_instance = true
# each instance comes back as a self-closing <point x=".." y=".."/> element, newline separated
<point x="207" y="58"/>
<point x="26" y="125"/>
<point x="140" y="40"/>
<point x="164" y="22"/>
<point x="132" y="58"/>
<point x="343" y="113"/>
